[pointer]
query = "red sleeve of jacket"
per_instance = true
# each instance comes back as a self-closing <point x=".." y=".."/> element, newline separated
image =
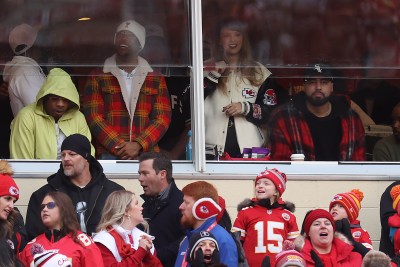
<point x="134" y="260"/>
<point x="279" y="136"/>
<point x="359" y="148"/>
<point x="91" y="256"/>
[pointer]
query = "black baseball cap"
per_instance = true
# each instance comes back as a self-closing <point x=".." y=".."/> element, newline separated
<point x="318" y="71"/>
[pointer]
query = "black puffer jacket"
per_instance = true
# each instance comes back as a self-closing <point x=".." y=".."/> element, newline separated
<point x="94" y="194"/>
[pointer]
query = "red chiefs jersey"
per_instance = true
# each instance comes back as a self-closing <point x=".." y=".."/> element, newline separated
<point x="263" y="232"/>
<point x="84" y="254"/>
<point x="360" y="235"/>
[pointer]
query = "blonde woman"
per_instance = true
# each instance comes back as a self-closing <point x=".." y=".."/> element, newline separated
<point x="121" y="243"/>
<point x="238" y="95"/>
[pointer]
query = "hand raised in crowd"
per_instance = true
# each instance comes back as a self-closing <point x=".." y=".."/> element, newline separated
<point x="219" y="66"/>
<point x="145" y="242"/>
<point x="128" y="150"/>
<point x="233" y="109"/>
<point x="4" y="90"/>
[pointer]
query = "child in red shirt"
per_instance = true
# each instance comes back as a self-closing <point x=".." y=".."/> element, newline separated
<point x="348" y="205"/>
<point x="266" y="221"/>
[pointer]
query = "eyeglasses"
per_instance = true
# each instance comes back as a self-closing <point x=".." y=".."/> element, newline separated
<point x="50" y="205"/>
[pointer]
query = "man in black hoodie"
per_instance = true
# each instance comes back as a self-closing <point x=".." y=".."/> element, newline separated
<point x="81" y="177"/>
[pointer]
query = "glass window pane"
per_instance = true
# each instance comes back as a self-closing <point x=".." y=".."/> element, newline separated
<point x="358" y="40"/>
<point x="80" y="36"/>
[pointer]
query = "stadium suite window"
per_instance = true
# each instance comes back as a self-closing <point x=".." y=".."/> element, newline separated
<point x="358" y="39"/>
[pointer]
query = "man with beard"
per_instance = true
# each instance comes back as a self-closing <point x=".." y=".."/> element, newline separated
<point x="388" y="148"/>
<point x="199" y="210"/>
<point x="317" y="123"/>
<point x="81" y="177"/>
<point x="126" y="104"/>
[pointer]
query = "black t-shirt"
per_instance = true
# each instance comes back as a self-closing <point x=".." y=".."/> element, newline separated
<point x="326" y="134"/>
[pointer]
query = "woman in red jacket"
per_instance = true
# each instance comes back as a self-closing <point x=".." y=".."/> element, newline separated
<point x="121" y="243"/>
<point x="321" y="247"/>
<point x="62" y="236"/>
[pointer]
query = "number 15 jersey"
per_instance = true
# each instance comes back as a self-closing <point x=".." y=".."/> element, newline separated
<point x="263" y="232"/>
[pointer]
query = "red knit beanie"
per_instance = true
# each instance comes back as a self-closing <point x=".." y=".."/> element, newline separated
<point x="350" y="201"/>
<point x="8" y="187"/>
<point x="289" y="256"/>
<point x="314" y="215"/>
<point x="395" y="194"/>
<point x="277" y="178"/>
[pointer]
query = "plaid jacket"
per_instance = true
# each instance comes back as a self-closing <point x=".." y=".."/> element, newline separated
<point x="109" y="119"/>
<point x="290" y="134"/>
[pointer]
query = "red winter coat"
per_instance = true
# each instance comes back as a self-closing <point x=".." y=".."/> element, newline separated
<point x="345" y="256"/>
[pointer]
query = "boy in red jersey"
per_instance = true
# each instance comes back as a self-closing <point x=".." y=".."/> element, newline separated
<point x="266" y="221"/>
<point x="348" y="205"/>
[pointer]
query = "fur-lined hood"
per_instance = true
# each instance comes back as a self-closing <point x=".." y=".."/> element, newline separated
<point x="265" y="203"/>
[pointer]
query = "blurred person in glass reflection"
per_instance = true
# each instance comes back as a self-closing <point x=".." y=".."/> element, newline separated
<point x="126" y="104"/>
<point x="120" y="241"/>
<point x="81" y="177"/>
<point x="239" y="95"/>
<point x="40" y="128"/>
<point x="62" y="235"/>
<point x="23" y="74"/>
<point x="388" y="148"/>
<point x="318" y="124"/>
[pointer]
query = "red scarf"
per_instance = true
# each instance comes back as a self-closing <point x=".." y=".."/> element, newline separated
<point x="124" y="250"/>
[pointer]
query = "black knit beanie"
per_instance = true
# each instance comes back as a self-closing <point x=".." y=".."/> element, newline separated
<point x="77" y="143"/>
<point x="196" y="238"/>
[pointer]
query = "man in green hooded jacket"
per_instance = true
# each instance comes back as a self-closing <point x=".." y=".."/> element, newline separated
<point x="39" y="129"/>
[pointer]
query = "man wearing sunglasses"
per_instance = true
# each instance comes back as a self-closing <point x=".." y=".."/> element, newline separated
<point x="81" y="177"/>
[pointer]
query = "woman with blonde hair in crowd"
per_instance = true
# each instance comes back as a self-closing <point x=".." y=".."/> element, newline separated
<point x="238" y="95"/>
<point x="62" y="235"/>
<point x="121" y="243"/>
<point x="11" y="222"/>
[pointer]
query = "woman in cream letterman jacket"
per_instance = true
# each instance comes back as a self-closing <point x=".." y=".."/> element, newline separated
<point x="238" y="95"/>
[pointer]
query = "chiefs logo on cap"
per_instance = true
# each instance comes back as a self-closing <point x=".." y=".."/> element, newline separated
<point x="13" y="191"/>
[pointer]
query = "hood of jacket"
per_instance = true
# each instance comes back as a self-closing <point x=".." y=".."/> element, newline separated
<point x="60" y="180"/>
<point x="59" y="83"/>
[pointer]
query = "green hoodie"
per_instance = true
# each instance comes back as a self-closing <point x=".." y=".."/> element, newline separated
<point x="33" y="131"/>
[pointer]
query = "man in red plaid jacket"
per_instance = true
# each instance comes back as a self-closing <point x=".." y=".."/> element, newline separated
<point x="317" y="124"/>
<point x="126" y="104"/>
